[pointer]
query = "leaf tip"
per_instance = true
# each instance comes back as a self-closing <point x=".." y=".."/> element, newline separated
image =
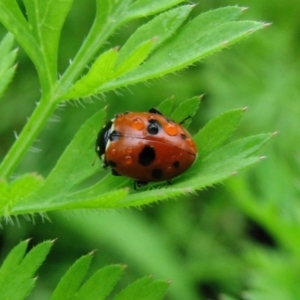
<point x="201" y="96"/>
<point x="263" y="157"/>
<point x="234" y="173"/>
<point x="53" y="241"/>
<point x="193" y="5"/>
<point x="274" y="133"/>
<point x="92" y="252"/>
<point x="244" y="108"/>
<point x="267" y="24"/>
<point x="244" y="8"/>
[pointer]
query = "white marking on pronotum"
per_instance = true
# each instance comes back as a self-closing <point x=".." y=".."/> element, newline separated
<point x="112" y="128"/>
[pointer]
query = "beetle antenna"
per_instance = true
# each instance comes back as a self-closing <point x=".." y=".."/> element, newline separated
<point x="185" y="119"/>
<point x="94" y="161"/>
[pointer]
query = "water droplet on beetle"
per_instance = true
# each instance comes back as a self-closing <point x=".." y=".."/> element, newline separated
<point x="128" y="160"/>
<point x="171" y="129"/>
<point x="137" y="124"/>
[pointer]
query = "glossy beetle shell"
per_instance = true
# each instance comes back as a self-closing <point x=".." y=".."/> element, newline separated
<point x="145" y="146"/>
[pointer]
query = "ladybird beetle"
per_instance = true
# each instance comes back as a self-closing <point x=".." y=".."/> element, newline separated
<point x="145" y="146"/>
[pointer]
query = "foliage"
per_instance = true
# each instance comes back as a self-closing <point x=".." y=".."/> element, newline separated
<point x="39" y="36"/>
<point x="58" y="191"/>
<point x="18" y="269"/>
<point x="172" y="38"/>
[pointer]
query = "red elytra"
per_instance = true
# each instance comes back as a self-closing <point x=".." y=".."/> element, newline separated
<point x="145" y="146"/>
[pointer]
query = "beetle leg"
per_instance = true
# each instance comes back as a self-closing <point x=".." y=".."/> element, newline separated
<point x="139" y="183"/>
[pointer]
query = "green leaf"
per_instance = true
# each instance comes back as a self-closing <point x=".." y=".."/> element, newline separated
<point x="39" y="36"/>
<point x="217" y="131"/>
<point x="46" y="19"/>
<point x="109" y="16"/>
<point x="13" y="259"/>
<point x="145" y="288"/>
<point x="158" y="290"/>
<point x="112" y="64"/>
<point x="58" y="190"/>
<point x="186" y="109"/>
<point x="207" y="33"/>
<point x="66" y="174"/>
<point x="15" y="192"/>
<point x="236" y="151"/>
<point x="134" y="59"/>
<point x="72" y="280"/>
<point x="161" y="28"/>
<point x="186" y="184"/>
<point x="165" y="107"/>
<point x="98" y="286"/>
<point x="101" y="283"/>
<point x="7" y="59"/>
<point x="214" y="164"/>
<point x="219" y="165"/>
<point x="101" y="71"/>
<point x="17" y="270"/>
<point x="143" y="8"/>
<point x="104" y="69"/>
<point x="13" y="19"/>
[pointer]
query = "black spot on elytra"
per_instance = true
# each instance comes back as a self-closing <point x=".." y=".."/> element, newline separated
<point x="147" y="156"/>
<point x="176" y="164"/>
<point x="157" y="173"/>
<point x="112" y="164"/>
<point x="153" y="127"/>
<point x="115" y="135"/>
<point x="183" y="136"/>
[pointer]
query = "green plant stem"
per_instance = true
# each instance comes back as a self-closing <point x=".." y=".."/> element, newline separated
<point x="47" y="106"/>
<point x="30" y="131"/>
<point x="91" y="45"/>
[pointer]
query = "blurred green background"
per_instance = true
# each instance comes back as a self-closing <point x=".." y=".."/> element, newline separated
<point x="240" y="238"/>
